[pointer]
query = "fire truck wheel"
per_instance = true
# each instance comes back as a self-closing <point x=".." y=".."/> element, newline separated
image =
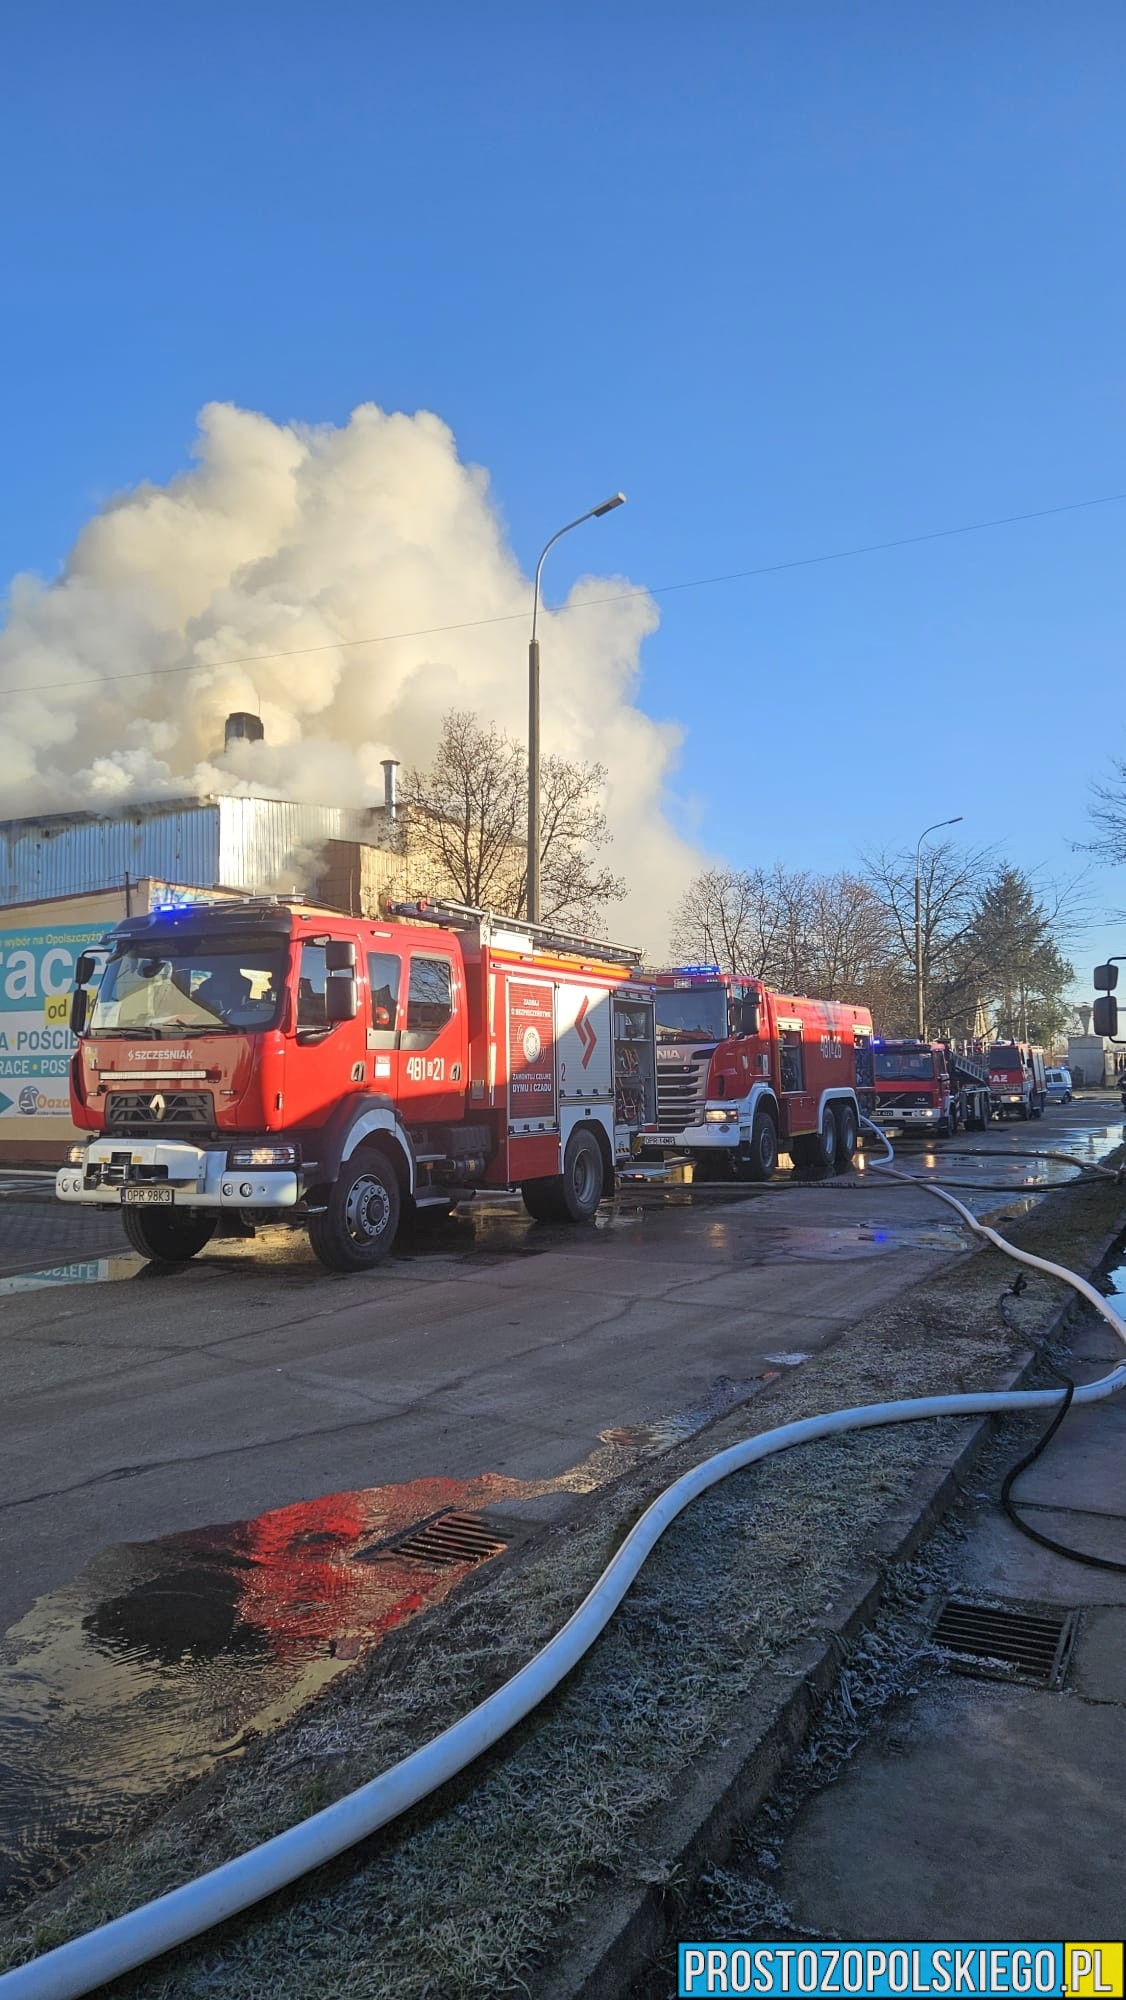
<point x="762" y="1159"/>
<point x="848" y="1132"/>
<point x="167" y="1239"/>
<point x="573" y="1195"/>
<point x="359" y="1224"/>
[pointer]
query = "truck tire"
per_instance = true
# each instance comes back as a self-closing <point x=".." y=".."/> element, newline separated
<point x="848" y="1132"/>
<point x="816" y="1152"/>
<point x="573" y="1195"/>
<point x="360" y="1222"/>
<point x="1025" y="1111"/>
<point x="167" y="1239"/>
<point x="762" y="1158"/>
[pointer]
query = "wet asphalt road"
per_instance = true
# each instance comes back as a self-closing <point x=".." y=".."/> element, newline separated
<point x="140" y="1403"/>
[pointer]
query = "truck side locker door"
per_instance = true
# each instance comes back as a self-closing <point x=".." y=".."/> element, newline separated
<point x="799" y="1104"/>
<point x="585" y="1044"/>
<point x="329" y="1059"/>
<point x="433" y="1040"/>
<point x="865" y="1072"/>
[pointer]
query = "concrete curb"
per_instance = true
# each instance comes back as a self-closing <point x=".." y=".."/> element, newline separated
<point x="610" y="1948"/>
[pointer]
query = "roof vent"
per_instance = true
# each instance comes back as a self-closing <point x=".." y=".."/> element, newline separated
<point x="242" y="728"/>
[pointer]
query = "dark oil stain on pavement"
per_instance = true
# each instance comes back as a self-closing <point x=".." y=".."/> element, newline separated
<point x="166" y="1658"/>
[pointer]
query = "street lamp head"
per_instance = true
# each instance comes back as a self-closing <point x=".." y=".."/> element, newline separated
<point x="608" y="506"/>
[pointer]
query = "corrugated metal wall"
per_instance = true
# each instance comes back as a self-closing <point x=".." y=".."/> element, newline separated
<point x="268" y="846"/>
<point x="66" y="857"/>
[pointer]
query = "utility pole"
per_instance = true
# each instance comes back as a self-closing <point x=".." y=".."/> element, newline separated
<point x="533" y="897"/>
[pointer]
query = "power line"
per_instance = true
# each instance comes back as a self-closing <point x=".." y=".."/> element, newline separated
<point x="587" y="603"/>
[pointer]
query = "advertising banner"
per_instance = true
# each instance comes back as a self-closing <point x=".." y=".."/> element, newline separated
<point x="531" y="1050"/>
<point x="36" y="980"/>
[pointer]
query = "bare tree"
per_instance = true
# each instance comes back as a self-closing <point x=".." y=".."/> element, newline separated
<point x="727" y="917"/>
<point x="951" y="880"/>
<point x="465" y="826"/>
<point x="802" y="933"/>
<point x="1108" y="815"/>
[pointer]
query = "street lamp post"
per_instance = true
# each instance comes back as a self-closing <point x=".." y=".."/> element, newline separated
<point x="592" y="514"/>
<point x="956" y="821"/>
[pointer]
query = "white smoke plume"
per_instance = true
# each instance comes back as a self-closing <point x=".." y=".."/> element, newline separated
<point x="285" y="537"/>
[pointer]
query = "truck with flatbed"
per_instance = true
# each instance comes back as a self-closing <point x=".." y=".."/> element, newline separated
<point x="260" y="1060"/>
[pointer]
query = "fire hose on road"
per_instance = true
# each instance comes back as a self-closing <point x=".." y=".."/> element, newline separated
<point x="184" y="1913"/>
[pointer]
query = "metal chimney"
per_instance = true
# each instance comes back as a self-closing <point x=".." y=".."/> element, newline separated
<point x="242" y="728"/>
<point x="390" y="792"/>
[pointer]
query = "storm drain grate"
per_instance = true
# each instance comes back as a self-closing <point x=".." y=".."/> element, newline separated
<point x="452" y="1538"/>
<point x="984" y="1639"/>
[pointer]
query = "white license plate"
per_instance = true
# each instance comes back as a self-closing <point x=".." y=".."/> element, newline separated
<point x="146" y="1197"/>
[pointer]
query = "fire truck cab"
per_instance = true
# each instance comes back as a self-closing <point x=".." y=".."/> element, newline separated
<point x="929" y="1087"/>
<point x="1017" y="1084"/>
<point x="255" y="1060"/>
<point x="744" y="1073"/>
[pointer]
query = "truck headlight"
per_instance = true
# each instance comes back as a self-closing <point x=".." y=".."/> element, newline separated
<point x="728" y="1116"/>
<point x="76" y="1155"/>
<point x="262" y="1156"/>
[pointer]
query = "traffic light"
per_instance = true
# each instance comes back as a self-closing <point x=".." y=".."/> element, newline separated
<point x="1105" y="1017"/>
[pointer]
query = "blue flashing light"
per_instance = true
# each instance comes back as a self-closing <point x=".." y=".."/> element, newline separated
<point x="697" y="971"/>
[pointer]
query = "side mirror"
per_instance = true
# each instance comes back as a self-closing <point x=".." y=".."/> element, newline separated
<point x="340" y="955"/>
<point x="78" y="1009"/>
<point x="85" y="969"/>
<point x="1106" y="978"/>
<point x="340" y="997"/>
<point x="1105" y="1015"/>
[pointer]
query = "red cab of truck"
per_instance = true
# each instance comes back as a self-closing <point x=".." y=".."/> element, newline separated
<point x="255" y="1059"/>
<point x="928" y="1087"/>
<point x="744" y="1072"/>
<point x="1017" y="1083"/>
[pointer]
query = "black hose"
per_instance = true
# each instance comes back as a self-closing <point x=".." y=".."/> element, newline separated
<point x="1046" y="1541"/>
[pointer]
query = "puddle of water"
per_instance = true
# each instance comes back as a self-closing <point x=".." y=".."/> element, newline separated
<point x="163" y="1659"/>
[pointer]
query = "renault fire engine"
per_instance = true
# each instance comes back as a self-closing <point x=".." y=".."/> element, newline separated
<point x="744" y="1073"/>
<point x="253" y="1059"/>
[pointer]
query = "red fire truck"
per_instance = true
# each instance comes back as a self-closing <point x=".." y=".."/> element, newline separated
<point x="1017" y="1083"/>
<point x="928" y="1087"/>
<point x="744" y="1073"/>
<point x="253" y="1059"/>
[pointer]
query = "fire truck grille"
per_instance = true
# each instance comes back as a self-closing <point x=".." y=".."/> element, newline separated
<point x="129" y="1109"/>
<point x="679" y="1094"/>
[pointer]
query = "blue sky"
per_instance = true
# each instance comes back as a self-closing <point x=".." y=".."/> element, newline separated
<point x="796" y="278"/>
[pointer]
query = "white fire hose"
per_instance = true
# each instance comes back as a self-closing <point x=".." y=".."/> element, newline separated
<point x="157" y="1927"/>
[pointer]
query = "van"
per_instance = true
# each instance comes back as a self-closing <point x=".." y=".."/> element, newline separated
<point x="1057" y="1085"/>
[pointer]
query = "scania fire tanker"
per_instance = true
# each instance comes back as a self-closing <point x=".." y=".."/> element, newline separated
<point x="744" y="1073"/>
<point x="253" y="1060"/>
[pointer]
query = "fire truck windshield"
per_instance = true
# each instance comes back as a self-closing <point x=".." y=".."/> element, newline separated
<point x="904" y="1065"/>
<point x="174" y="986"/>
<point x="692" y="1013"/>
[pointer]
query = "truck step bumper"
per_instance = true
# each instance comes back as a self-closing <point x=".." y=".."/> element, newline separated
<point x="198" y="1178"/>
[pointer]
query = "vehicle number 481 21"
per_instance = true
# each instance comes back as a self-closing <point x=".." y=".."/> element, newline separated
<point x="423" y="1069"/>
